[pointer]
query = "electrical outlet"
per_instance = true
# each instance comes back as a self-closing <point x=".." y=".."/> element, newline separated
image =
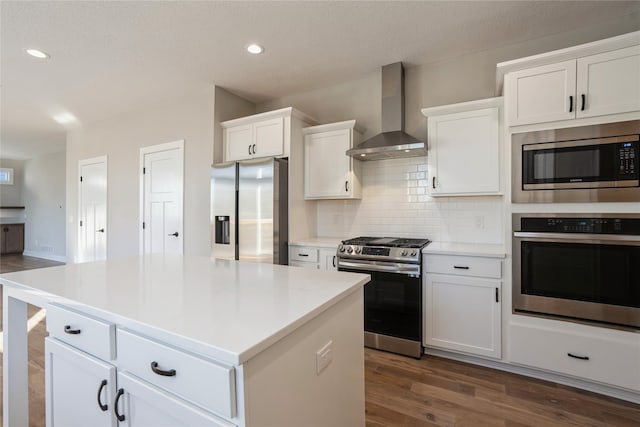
<point x="324" y="356"/>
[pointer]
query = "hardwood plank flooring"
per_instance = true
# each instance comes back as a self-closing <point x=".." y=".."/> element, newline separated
<point x="433" y="391"/>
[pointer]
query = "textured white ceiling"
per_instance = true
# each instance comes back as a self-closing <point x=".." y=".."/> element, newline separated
<point x="110" y="57"/>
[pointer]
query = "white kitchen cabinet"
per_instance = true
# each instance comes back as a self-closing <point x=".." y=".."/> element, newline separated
<point x="315" y="257"/>
<point x="328" y="172"/>
<point x="598" y="354"/>
<point x="142" y="405"/>
<point x="464" y="148"/>
<point x="462" y="304"/>
<point x="589" y="86"/>
<point x="80" y="388"/>
<point x="261" y="135"/>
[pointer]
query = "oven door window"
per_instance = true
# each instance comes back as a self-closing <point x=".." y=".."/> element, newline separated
<point x="606" y="274"/>
<point x="392" y="305"/>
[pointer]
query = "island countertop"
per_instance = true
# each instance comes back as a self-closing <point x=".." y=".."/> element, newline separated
<point x="229" y="310"/>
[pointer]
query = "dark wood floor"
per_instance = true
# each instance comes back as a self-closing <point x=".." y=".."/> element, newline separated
<point x="433" y="391"/>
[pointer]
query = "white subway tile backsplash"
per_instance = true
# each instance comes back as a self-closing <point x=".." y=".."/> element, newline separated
<point x="396" y="202"/>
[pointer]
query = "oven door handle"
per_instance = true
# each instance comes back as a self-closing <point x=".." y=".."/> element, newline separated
<point x="367" y="266"/>
<point x="572" y="237"/>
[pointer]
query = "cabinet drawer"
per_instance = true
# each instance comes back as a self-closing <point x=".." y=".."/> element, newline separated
<point x="611" y="361"/>
<point x="81" y="331"/>
<point x="206" y="383"/>
<point x="463" y="265"/>
<point x="299" y="253"/>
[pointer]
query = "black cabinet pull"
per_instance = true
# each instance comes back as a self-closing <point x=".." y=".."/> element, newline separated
<point x="173" y="234"/>
<point x="102" y="406"/>
<point x="570" y="103"/>
<point x="115" y="405"/>
<point x="68" y="330"/>
<point x="575" y="356"/>
<point x="155" y="369"/>
<point x="334" y="261"/>
<point x="299" y="254"/>
<point x="254" y="148"/>
<point x="497" y="299"/>
<point x="101" y="230"/>
<point x="346" y="186"/>
<point x="461" y="267"/>
<point x="249" y="149"/>
<point x="433" y="182"/>
<point x="584" y="98"/>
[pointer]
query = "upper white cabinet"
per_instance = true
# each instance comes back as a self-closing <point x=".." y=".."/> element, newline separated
<point x="261" y="135"/>
<point x="328" y="172"/>
<point x="464" y="148"/>
<point x="584" y="84"/>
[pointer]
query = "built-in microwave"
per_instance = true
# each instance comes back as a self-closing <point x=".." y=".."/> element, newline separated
<point x="599" y="163"/>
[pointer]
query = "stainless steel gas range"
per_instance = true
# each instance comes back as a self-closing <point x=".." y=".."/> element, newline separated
<point x="393" y="298"/>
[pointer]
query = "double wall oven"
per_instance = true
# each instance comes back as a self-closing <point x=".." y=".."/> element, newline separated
<point x="393" y="297"/>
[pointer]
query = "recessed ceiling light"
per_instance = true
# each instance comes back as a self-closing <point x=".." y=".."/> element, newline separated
<point x="65" y="118"/>
<point x="37" y="53"/>
<point x="255" y="49"/>
<point x="362" y="155"/>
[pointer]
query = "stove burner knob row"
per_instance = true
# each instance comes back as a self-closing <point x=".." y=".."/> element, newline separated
<point x="349" y="250"/>
<point x="341" y="248"/>
<point x="414" y="253"/>
<point x="358" y="250"/>
<point x="404" y="253"/>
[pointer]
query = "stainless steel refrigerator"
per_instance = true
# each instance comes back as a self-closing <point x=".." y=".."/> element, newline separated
<point x="249" y="211"/>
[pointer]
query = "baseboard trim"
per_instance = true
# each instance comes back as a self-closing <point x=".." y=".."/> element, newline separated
<point x="45" y="255"/>
<point x="618" y="393"/>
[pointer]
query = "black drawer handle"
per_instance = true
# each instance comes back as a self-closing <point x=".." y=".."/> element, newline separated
<point x="570" y="103"/>
<point x="461" y="267"/>
<point x="115" y="405"/>
<point x="575" y="356"/>
<point x="155" y="369"/>
<point x="102" y="406"/>
<point x="68" y="330"/>
<point x="583" y="102"/>
<point x="303" y="254"/>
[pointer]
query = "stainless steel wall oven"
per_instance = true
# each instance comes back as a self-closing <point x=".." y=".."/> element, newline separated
<point x="582" y="267"/>
<point x="599" y="163"/>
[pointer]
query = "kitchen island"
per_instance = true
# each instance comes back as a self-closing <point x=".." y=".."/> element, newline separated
<point x="177" y="340"/>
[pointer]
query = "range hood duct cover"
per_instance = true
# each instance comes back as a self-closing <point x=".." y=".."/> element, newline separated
<point x="393" y="142"/>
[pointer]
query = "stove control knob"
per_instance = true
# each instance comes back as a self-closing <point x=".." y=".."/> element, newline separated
<point x="350" y="249"/>
<point x="341" y="248"/>
<point x="404" y="253"/>
<point x="358" y="250"/>
<point x="414" y="253"/>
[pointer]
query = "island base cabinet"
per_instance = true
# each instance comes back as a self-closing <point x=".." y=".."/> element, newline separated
<point x="79" y="388"/>
<point x="139" y="404"/>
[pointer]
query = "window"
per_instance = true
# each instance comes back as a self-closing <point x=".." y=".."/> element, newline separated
<point x="6" y="176"/>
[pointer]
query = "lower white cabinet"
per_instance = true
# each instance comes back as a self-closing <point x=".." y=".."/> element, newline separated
<point x="319" y="258"/>
<point x="80" y="388"/>
<point x="462" y="311"/>
<point x="139" y="404"/>
<point x="603" y="355"/>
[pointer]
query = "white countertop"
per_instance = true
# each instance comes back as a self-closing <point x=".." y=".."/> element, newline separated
<point x="320" y="242"/>
<point x="229" y="310"/>
<point x="466" y="249"/>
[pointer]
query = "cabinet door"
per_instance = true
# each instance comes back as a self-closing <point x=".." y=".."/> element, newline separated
<point x="328" y="259"/>
<point x="74" y="388"/>
<point x="464" y="153"/>
<point x="143" y="405"/>
<point x="609" y="83"/>
<point x="12" y="238"/>
<point x="463" y="314"/>
<point x="541" y="94"/>
<point x="327" y="169"/>
<point x="238" y="141"/>
<point x="268" y="138"/>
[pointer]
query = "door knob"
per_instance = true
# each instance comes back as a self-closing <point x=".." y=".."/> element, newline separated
<point x="100" y="230"/>
<point x="174" y="234"/>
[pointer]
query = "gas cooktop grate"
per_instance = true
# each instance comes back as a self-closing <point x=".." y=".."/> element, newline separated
<point x="390" y="242"/>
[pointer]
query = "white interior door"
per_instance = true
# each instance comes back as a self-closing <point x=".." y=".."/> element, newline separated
<point x="92" y="235"/>
<point x="162" y="192"/>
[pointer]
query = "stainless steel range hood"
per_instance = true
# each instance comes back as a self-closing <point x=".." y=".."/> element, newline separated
<point x="393" y="142"/>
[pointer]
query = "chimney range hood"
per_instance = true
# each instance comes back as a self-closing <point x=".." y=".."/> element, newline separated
<point x="393" y="142"/>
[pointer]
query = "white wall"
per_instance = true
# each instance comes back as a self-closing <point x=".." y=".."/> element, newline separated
<point x="44" y="201"/>
<point x="120" y="139"/>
